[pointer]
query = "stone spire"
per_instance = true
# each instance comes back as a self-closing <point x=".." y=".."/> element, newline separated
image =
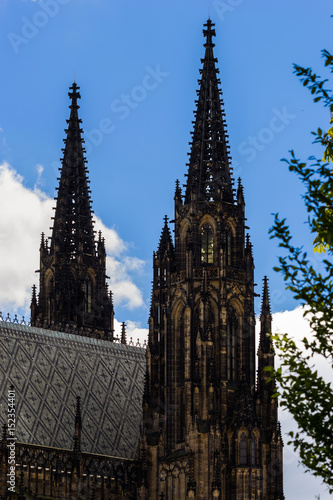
<point x="209" y="172"/>
<point x="73" y="289"/>
<point x="165" y="243"/>
<point x="123" y="333"/>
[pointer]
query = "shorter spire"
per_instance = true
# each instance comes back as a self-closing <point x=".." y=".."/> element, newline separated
<point x="240" y="192"/>
<point x="33" y="305"/>
<point x="265" y="304"/>
<point x="265" y="319"/>
<point x="248" y="244"/>
<point x="165" y="239"/>
<point x="34" y="295"/>
<point x="123" y="333"/>
<point x="178" y="191"/>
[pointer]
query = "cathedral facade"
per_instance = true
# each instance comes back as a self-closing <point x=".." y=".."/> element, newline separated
<point x="208" y="428"/>
<point x="210" y="425"/>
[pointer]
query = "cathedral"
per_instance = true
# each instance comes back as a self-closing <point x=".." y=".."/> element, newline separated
<point x="189" y="415"/>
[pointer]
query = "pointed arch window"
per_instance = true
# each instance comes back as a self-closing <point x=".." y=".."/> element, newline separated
<point x="88" y="295"/>
<point x="207" y="244"/>
<point x="242" y="449"/>
<point x="231" y="347"/>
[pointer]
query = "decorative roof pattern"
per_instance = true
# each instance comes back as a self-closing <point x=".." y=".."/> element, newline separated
<point x="49" y="369"/>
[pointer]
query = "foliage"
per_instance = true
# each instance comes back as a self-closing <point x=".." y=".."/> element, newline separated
<point x="302" y="390"/>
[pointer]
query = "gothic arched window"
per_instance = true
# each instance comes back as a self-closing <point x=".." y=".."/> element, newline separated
<point x="207" y="244"/>
<point x="242" y="449"/>
<point x="88" y="295"/>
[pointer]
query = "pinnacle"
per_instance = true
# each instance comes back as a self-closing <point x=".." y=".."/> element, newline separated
<point x="178" y="191"/>
<point x="265" y="304"/>
<point x="240" y="192"/>
<point x="165" y="240"/>
<point x="123" y="333"/>
<point x="265" y="319"/>
<point x="248" y="245"/>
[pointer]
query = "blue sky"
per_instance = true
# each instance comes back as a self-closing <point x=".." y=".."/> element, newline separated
<point x="137" y="64"/>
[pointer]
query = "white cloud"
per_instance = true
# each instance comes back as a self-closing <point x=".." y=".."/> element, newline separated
<point x="134" y="332"/>
<point x="40" y="170"/>
<point x="127" y="293"/>
<point x="25" y="213"/>
<point x="114" y="245"/>
<point x="298" y="327"/>
<point x="298" y="484"/>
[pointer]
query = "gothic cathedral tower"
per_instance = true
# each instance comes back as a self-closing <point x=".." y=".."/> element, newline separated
<point x="72" y="282"/>
<point x="210" y="428"/>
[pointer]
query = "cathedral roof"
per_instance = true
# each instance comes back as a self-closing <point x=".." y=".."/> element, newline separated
<point x="49" y="369"/>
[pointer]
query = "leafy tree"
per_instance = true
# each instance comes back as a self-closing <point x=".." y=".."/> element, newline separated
<point x="307" y="396"/>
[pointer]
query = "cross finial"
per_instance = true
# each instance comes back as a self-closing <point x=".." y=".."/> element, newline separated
<point x="74" y="95"/>
<point x="209" y="33"/>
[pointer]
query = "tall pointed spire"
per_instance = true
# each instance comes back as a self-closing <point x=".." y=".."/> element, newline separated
<point x="73" y="225"/>
<point x="209" y="172"/>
